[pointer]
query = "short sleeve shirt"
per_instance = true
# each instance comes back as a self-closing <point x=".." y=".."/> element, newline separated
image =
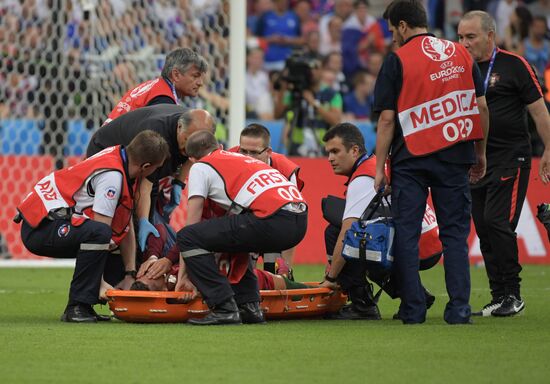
<point x="102" y="192"/>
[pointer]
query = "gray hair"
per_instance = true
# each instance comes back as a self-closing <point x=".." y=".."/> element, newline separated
<point x="488" y="24"/>
<point x="185" y="120"/>
<point x="182" y="59"/>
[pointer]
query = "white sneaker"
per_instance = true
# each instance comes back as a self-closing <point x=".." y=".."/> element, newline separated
<point x="489" y="308"/>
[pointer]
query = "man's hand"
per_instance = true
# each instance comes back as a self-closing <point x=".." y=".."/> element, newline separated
<point x="544" y="167"/>
<point x="477" y="171"/>
<point x="125" y="283"/>
<point x="175" y="199"/>
<point x="185" y="285"/>
<point x="145" y="229"/>
<point x="159" y="268"/>
<point x="146" y="265"/>
<point x="328" y="284"/>
<point x="380" y="180"/>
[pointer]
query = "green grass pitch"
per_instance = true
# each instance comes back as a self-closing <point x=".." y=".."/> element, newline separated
<point x="35" y="347"/>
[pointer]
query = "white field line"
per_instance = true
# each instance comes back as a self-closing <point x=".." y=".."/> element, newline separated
<point x="38" y="263"/>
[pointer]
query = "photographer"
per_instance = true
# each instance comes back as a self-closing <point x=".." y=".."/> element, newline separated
<point x="309" y="106"/>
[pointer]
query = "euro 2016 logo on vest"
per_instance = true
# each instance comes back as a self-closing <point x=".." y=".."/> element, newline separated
<point x="140" y="90"/>
<point x="437" y="49"/>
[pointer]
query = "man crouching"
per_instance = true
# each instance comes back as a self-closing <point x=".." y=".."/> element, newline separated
<point x="266" y="212"/>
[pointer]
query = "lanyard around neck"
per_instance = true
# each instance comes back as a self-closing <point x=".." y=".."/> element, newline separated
<point x="490" y="69"/>
<point x="173" y="89"/>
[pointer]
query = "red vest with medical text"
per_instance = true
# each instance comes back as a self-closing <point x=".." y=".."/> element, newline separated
<point x="283" y="164"/>
<point x="140" y="96"/>
<point x="437" y="106"/>
<point x="429" y="244"/>
<point x="57" y="190"/>
<point x="252" y="184"/>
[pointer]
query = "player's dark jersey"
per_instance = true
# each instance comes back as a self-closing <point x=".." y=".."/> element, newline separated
<point x="512" y="85"/>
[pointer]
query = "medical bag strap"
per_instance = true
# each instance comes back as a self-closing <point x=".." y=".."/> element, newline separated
<point x="373" y="206"/>
<point x="367" y="215"/>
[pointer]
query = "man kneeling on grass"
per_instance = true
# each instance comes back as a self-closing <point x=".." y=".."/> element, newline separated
<point x="266" y="213"/>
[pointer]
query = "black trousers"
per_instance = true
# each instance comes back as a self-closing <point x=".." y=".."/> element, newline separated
<point x="496" y="207"/>
<point x="237" y="233"/>
<point x="88" y="242"/>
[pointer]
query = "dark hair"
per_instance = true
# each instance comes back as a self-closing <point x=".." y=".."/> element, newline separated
<point x="350" y="135"/>
<point x="525" y="20"/>
<point x="257" y="130"/>
<point x="139" y="286"/>
<point x="200" y="143"/>
<point x="182" y="59"/>
<point x="411" y="12"/>
<point x="148" y="147"/>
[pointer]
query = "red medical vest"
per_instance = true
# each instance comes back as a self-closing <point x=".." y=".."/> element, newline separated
<point x="256" y="186"/>
<point x="57" y="190"/>
<point x="140" y="96"/>
<point x="437" y="106"/>
<point x="283" y="165"/>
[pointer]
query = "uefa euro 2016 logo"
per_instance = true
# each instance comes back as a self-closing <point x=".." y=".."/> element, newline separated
<point x="437" y="49"/>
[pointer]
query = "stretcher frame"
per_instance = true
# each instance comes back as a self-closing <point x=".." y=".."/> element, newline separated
<point x="166" y="307"/>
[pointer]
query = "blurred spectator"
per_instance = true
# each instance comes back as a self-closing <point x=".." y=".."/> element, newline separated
<point x="256" y="8"/>
<point x="343" y="9"/>
<point x="536" y="47"/>
<point x="281" y="29"/>
<point x="333" y="62"/>
<point x="518" y="30"/>
<point x="472" y="5"/>
<point x="361" y="35"/>
<point x="15" y="91"/>
<point x="358" y="104"/>
<point x="303" y="10"/>
<point x="259" y="103"/>
<point x="374" y="63"/>
<point x="504" y="10"/>
<point x="309" y="113"/>
<point x="541" y="8"/>
<point x="312" y="45"/>
<point x="332" y="41"/>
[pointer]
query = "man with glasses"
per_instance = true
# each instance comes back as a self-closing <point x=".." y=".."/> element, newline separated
<point x="255" y="141"/>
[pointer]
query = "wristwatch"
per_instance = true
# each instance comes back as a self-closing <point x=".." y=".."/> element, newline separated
<point x="330" y="279"/>
<point x="132" y="273"/>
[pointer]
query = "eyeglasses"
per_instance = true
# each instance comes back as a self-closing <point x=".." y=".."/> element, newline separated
<point x="252" y="153"/>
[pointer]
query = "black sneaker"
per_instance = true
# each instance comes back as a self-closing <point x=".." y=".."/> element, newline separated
<point x="78" y="313"/>
<point x="488" y="309"/>
<point x="543" y="214"/>
<point x="353" y="312"/>
<point x="510" y="306"/>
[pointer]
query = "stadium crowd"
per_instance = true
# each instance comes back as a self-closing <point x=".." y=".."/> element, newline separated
<point x="59" y="57"/>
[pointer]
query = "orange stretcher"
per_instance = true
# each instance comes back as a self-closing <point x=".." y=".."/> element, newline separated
<point x="167" y="307"/>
